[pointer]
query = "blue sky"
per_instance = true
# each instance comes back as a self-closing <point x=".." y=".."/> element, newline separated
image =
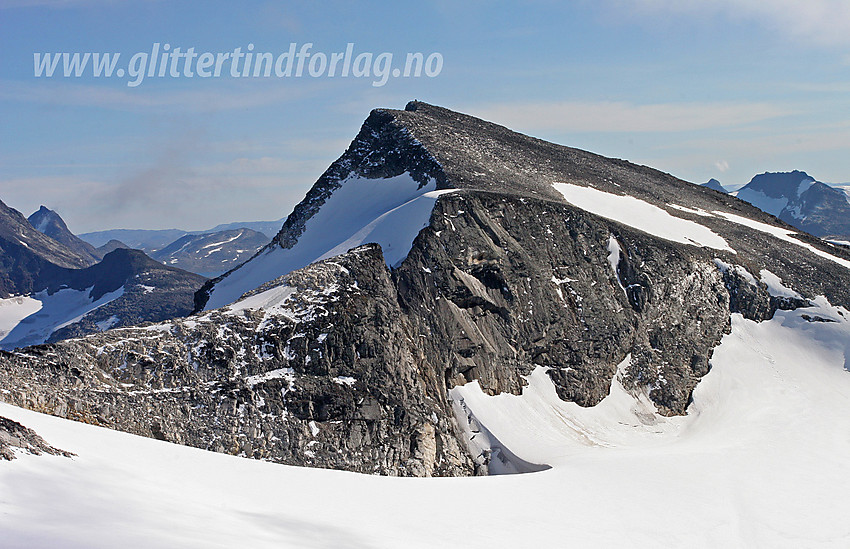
<point x="700" y="89"/>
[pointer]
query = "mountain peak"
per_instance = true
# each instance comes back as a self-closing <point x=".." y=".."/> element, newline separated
<point x="50" y="223"/>
<point x="715" y="184"/>
<point x="385" y="186"/>
<point x="778" y="184"/>
<point x="798" y="199"/>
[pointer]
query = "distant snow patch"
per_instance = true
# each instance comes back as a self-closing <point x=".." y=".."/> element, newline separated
<point x="104" y="325"/>
<point x="642" y="216"/>
<point x="741" y="271"/>
<point x="614" y="255"/>
<point x="781" y="234"/>
<point x="696" y="211"/>
<point x="13" y="310"/>
<point x="287" y="374"/>
<point x="804" y="186"/>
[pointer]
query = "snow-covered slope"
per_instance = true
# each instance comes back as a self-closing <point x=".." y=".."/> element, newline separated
<point x="32" y="319"/>
<point x="125" y="288"/>
<point x="759" y="461"/>
<point x="643" y="216"/>
<point x="387" y="211"/>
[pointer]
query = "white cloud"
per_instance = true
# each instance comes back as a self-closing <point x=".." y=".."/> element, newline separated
<point x="606" y="116"/>
<point x="721" y="165"/>
<point x="818" y="21"/>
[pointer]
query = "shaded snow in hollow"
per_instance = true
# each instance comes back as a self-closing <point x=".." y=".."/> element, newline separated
<point x="30" y="320"/>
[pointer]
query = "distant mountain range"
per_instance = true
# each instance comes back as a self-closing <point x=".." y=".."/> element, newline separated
<point x="212" y="254"/>
<point x="147" y="240"/>
<point x="153" y="240"/>
<point x="799" y="200"/>
<point x="53" y="286"/>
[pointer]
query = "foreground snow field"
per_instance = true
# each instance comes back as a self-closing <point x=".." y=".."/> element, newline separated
<point x="761" y="460"/>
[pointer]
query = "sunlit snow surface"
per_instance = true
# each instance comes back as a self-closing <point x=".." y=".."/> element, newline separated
<point x="760" y="460"/>
<point x="781" y="234"/>
<point x="390" y="212"/>
<point x="641" y="215"/>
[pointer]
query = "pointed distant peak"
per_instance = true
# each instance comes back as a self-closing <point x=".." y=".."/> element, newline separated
<point x="715" y="184"/>
<point x="44" y="212"/>
<point x="44" y="218"/>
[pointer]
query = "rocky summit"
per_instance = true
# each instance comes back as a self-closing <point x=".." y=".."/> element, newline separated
<point x="439" y="250"/>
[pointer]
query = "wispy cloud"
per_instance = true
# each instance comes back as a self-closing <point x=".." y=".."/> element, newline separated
<point x="825" y="22"/>
<point x="63" y="3"/>
<point x="195" y="100"/>
<point x="605" y="116"/>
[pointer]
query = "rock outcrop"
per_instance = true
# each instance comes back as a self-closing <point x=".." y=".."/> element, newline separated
<point x="14" y="437"/>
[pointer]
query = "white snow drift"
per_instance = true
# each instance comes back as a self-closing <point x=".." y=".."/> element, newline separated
<point x="781" y="234"/>
<point x="642" y="216"/>
<point x="390" y="212"/>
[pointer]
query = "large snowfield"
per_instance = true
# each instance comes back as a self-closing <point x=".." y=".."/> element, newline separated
<point x="761" y="460"/>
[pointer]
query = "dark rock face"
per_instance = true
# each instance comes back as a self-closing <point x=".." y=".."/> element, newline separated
<point x="498" y="294"/>
<point x="14" y="436"/>
<point x="211" y="254"/>
<point x="348" y="364"/>
<point x="48" y="222"/>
